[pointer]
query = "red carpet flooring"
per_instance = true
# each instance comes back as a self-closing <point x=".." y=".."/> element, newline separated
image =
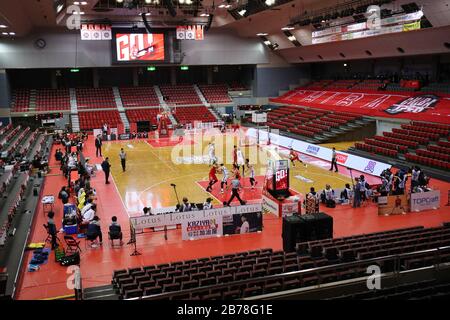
<point x="98" y="264"/>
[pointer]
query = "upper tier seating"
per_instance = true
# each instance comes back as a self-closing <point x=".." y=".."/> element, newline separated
<point x="136" y="115"/>
<point x="180" y="95"/>
<point x="186" y="115"/>
<point x="369" y="84"/>
<point x="252" y="266"/>
<point x="319" y="84"/>
<point x="342" y="84"/>
<point x="52" y="99"/>
<point x="215" y="93"/>
<point x="95" y="98"/>
<point x="20" y="100"/>
<point x="139" y="97"/>
<point x="90" y="120"/>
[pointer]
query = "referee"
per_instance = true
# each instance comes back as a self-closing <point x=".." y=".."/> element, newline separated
<point x="235" y="186"/>
<point x="123" y="159"/>
<point x="334" y="160"/>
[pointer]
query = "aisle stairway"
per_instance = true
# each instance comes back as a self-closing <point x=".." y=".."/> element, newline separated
<point x="75" y="120"/>
<point x="201" y="96"/>
<point x="119" y="104"/>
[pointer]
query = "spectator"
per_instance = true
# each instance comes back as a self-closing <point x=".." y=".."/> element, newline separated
<point x="115" y="231"/>
<point x="94" y="231"/>
<point x="327" y="196"/>
<point x="147" y="211"/>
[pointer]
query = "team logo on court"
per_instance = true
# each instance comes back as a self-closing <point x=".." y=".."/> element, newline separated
<point x="370" y="167"/>
<point x="415" y="104"/>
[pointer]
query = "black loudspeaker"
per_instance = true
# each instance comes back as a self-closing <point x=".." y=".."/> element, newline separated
<point x="304" y="228"/>
<point x="39" y="174"/>
<point x="35" y="192"/>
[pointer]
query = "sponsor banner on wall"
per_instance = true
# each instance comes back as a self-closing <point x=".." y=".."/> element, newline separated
<point x="425" y="200"/>
<point x="167" y="216"/>
<point x="95" y="32"/>
<point x="201" y="228"/>
<point x="243" y="223"/>
<point x="361" y="164"/>
<point x="391" y="205"/>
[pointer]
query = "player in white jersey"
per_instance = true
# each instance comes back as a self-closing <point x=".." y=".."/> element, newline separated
<point x="212" y="153"/>
<point x="225" y="173"/>
<point x="250" y="168"/>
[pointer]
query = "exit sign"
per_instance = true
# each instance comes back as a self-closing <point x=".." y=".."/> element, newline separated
<point x="151" y="68"/>
<point x="74" y="70"/>
<point x="184" y="68"/>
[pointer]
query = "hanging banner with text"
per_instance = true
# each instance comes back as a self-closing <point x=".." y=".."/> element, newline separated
<point x="425" y="200"/>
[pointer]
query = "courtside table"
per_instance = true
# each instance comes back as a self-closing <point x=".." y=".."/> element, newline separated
<point x="47" y="203"/>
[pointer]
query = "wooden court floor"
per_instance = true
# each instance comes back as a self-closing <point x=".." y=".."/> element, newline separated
<point x="153" y="167"/>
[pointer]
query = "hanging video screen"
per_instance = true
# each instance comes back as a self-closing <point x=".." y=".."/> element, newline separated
<point x="138" y="46"/>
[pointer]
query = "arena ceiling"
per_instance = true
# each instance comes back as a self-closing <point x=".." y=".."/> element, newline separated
<point x="21" y="17"/>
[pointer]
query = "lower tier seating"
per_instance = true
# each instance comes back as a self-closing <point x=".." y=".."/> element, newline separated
<point x="95" y="119"/>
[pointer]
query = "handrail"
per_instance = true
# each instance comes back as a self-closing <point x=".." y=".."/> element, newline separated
<point x="396" y="258"/>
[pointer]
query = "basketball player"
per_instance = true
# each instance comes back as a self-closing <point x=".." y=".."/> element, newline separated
<point x="235" y="157"/>
<point x="236" y="171"/>
<point x="224" y="171"/>
<point x="240" y="160"/>
<point x="294" y="156"/>
<point x="212" y="177"/>
<point x="212" y="153"/>
<point x="250" y="168"/>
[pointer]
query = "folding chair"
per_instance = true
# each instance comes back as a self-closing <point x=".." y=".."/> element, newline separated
<point x="73" y="246"/>
<point x="49" y="236"/>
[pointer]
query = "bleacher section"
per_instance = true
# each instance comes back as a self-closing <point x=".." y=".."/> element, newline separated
<point x="257" y="272"/>
<point x="52" y="99"/>
<point x="307" y="122"/>
<point x="20" y="100"/>
<point x="90" y="120"/>
<point x="17" y="209"/>
<point x="185" y="115"/>
<point x="136" y="115"/>
<point x="215" y="93"/>
<point x="180" y="95"/>
<point x="95" y="98"/>
<point x="138" y="97"/>
<point x="369" y="84"/>
<point x="342" y="84"/>
<point x="419" y="142"/>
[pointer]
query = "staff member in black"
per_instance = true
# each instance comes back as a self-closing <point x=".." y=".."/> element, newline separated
<point x="123" y="159"/>
<point x="235" y="186"/>
<point x="98" y="146"/>
<point x="333" y="160"/>
<point x="106" y="168"/>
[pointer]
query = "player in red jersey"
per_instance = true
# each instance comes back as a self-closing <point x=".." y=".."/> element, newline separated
<point x="235" y="157"/>
<point x="294" y="156"/>
<point x="212" y="177"/>
<point x="236" y="171"/>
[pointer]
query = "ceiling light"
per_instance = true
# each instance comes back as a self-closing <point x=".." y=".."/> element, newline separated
<point x="80" y="13"/>
<point x="119" y="1"/>
<point x="292" y="38"/>
<point x="287" y="28"/>
<point x="2" y="26"/>
<point x="270" y="2"/>
<point x="12" y="33"/>
<point x="5" y="33"/>
<point x="262" y="34"/>
<point x="267" y="43"/>
<point x="204" y="15"/>
<point x="242" y="12"/>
